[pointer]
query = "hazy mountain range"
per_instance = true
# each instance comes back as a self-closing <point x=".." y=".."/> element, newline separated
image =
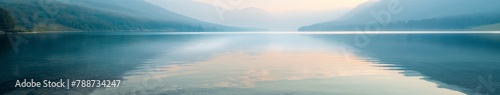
<point x="90" y="15"/>
<point x="191" y="15"/>
<point x="249" y="16"/>
<point x="415" y="15"/>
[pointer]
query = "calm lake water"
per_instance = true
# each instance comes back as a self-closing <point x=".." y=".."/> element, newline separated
<point x="255" y="63"/>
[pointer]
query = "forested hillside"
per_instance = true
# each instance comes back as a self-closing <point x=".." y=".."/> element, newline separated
<point x="6" y="21"/>
<point x="50" y="15"/>
<point x="465" y="22"/>
<point x="415" y="15"/>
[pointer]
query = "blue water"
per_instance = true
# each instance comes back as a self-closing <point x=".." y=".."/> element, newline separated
<point x="342" y="63"/>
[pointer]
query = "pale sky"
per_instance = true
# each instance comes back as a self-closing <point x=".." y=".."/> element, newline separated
<point x="277" y="6"/>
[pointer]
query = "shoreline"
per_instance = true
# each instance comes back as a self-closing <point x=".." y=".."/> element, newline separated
<point x="273" y="32"/>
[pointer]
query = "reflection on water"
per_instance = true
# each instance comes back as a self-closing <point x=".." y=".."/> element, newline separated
<point x="402" y="64"/>
<point x="277" y="72"/>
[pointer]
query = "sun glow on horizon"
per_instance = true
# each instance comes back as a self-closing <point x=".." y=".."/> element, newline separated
<point x="278" y="6"/>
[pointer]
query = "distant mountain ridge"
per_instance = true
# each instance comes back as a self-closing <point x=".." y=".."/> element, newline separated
<point x="421" y="11"/>
<point x="95" y="15"/>
<point x="249" y="16"/>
